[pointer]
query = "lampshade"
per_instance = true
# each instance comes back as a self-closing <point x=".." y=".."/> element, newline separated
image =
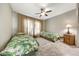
<point x="68" y="25"/>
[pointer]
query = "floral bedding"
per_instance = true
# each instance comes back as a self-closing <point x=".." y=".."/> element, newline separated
<point x="50" y="35"/>
<point x="20" y="45"/>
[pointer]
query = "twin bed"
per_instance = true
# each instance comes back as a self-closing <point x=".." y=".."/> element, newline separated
<point x="20" y="45"/>
<point x="25" y="45"/>
<point x="51" y="36"/>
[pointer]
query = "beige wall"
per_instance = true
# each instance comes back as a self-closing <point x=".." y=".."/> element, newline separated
<point x="5" y="24"/>
<point x="14" y="23"/>
<point x="77" y="41"/>
<point x="78" y="26"/>
<point x="58" y="23"/>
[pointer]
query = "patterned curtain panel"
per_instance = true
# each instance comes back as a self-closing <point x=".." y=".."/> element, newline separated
<point x="32" y="27"/>
<point x="37" y="27"/>
<point x="29" y="25"/>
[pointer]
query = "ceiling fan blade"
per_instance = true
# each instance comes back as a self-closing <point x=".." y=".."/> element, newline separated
<point x="48" y="11"/>
<point x="40" y="15"/>
<point x="42" y="10"/>
<point x="46" y="15"/>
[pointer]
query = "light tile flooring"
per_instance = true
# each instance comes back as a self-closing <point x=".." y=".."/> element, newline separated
<point x="58" y="48"/>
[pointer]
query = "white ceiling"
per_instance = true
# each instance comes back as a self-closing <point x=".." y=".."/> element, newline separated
<point x="30" y="9"/>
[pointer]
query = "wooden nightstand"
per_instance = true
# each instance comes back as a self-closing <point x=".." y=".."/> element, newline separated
<point x="69" y="39"/>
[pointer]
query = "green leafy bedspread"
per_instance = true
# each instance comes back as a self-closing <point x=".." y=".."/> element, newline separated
<point x="50" y="35"/>
<point x="20" y="45"/>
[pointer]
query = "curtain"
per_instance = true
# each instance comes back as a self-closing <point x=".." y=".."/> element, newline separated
<point x="32" y="27"/>
<point x="21" y="19"/>
<point x="28" y="26"/>
<point x="37" y="27"/>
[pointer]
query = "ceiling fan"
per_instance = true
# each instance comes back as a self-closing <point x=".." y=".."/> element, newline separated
<point x="44" y="12"/>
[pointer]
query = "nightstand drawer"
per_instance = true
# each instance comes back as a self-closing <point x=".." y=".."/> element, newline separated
<point x="72" y="40"/>
<point x="69" y="39"/>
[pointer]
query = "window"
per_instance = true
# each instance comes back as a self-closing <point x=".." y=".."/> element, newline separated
<point x="32" y="27"/>
<point x="37" y="27"/>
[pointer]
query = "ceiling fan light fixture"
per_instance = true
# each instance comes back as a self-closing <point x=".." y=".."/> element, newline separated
<point x="43" y="13"/>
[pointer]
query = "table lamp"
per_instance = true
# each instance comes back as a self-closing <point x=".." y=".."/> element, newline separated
<point x="68" y="28"/>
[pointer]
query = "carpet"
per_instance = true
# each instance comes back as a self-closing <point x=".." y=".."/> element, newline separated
<point x="48" y="48"/>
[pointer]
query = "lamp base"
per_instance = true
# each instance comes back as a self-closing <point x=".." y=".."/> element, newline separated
<point x="68" y="32"/>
